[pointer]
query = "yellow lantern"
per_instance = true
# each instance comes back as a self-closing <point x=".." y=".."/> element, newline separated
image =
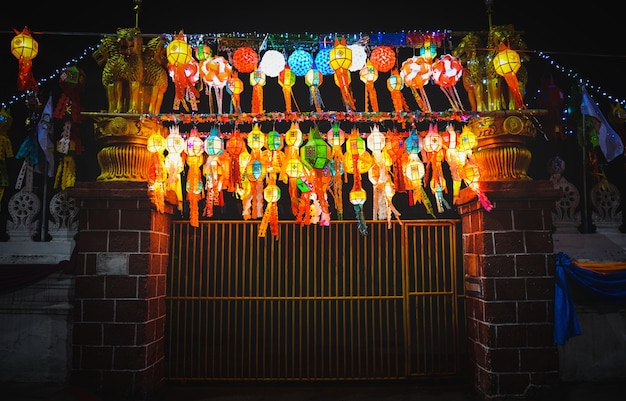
<point x="156" y="143"/>
<point x="467" y="139"/>
<point x="357" y="196"/>
<point x="271" y="193"/>
<point x="506" y="63"/>
<point x="340" y="55"/>
<point x="256" y="138"/>
<point x="471" y="173"/>
<point x="175" y="143"/>
<point x="23" y="46"/>
<point x="178" y="51"/>
<point x="25" y="49"/>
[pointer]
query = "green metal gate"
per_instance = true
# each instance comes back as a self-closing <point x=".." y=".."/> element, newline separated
<point x="315" y="303"/>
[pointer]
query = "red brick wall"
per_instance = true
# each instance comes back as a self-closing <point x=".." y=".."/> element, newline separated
<point x="509" y="262"/>
<point x="119" y="316"/>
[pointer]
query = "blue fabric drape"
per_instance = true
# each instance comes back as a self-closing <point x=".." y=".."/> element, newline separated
<point x="604" y="287"/>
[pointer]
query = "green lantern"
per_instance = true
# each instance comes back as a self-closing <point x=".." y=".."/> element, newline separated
<point x="316" y="152"/>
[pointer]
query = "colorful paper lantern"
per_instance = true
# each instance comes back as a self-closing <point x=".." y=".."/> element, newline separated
<point x="359" y="57"/>
<point x="25" y="48"/>
<point x="272" y="63"/>
<point x="506" y="64"/>
<point x="383" y="58"/>
<point x="315" y="153"/>
<point x="447" y="71"/>
<point x="322" y="61"/>
<point x="178" y="51"/>
<point x="245" y="59"/>
<point x="300" y="62"/>
<point x="213" y="143"/>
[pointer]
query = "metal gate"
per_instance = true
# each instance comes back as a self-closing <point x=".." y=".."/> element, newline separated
<point x="315" y="303"/>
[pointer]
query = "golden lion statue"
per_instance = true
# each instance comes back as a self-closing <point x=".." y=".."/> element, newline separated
<point x="134" y="76"/>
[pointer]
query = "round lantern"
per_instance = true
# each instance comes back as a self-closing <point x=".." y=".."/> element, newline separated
<point x="368" y="73"/>
<point x="300" y="62"/>
<point x="195" y="146"/>
<point x="271" y="193"/>
<point x="414" y="170"/>
<point x="322" y="61"/>
<point x="235" y="84"/>
<point x="313" y="77"/>
<point x="506" y="62"/>
<point x="156" y="143"/>
<point x="286" y="78"/>
<point x="245" y="59"/>
<point x="416" y="72"/>
<point x="383" y="58"/>
<point x="340" y="56"/>
<point x="178" y="51"/>
<point x="175" y="143"/>
<point x="23" y="46"/>
<point x="359" y="57"/>
<point x="272" y="63"/>
<point x="294" y="168"/>
<point x="355" y="144"/>
<point x="447" y="71"/>
<point x="258" y="77"/>
<point x="235" y="145"/>
<point x="432" y="141"/>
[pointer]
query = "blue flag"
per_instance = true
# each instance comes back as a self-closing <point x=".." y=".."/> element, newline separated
<point x="610" y="142"/>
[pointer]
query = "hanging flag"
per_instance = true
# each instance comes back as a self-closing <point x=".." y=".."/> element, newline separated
<point x="45" y="130"/>
<point x="610" y="142"/>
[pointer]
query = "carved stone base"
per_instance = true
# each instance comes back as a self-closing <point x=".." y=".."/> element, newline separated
<point x="123" y="155"/>
<point x="502" y="152"/>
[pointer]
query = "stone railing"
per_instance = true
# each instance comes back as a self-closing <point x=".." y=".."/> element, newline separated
<point x="603" y="204"/>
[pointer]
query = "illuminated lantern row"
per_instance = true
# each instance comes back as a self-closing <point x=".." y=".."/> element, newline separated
<point x="251" y="165"/>
<point x="339" y="60"/>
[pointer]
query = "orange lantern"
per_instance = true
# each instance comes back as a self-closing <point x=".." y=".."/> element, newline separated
<point x="235" y="87"/>
<point x="416" y="72"/>
<point x="506" y="64"/>
<point x="369" y="74"/>
<point x="395" y="84"/>
<point x="25" y="49"/>
<point x="383" y="58"/>
<point x="257" y="80"/>
<point x="447" y="71"/>
<point x="245" y="59"/>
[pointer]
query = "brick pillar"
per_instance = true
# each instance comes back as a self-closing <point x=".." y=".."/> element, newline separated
<point x="510" y="266"/>
<point x="119" y="321"/>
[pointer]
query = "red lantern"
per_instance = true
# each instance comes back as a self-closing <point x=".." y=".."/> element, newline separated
<point x="245" y="59"/>
<point x="383" y="58"/>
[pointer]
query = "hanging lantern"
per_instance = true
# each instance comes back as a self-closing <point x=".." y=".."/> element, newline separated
<point x="395" y="84"/>
<point x="359" y="57"/>
<point x="471" y="173"/>
<point x="376" y="140"/>
<point x="256" y="139"/>
<point x="245" y="59"/>
<point x="213" y="144"/>
<point x="300" y="62"/>
<point x="156" y="143"/>
<point x="175" y="143"/>
<point x="369" y="74"/>
<point x="274" y="140"/>
<point x="293" y="136"/>
<point x="25" y="48"/>
<point x="272" y="63"/>
<point x="286" y="80"/>
<point x="322" y="61"/>
<point x="433" y="141"/>
<point x="467" y="139"/>
<point x="340" y="56"/>
<point x="315" y="153"/>
<point x="314" y="79"/>
<point x="257" y="81"/>
<point x="383" y="58"/>
<point x="413" y="143"/>
<point x="506" y="64"/>
<point x="271" y="193"/>
<point x="178" y="51"/>
<point x="195" y="145"/>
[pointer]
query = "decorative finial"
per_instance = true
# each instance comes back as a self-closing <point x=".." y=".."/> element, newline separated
<point x="137" y="8"/>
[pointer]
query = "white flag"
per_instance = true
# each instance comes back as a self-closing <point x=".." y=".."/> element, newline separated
<point x="610" y="142"/>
